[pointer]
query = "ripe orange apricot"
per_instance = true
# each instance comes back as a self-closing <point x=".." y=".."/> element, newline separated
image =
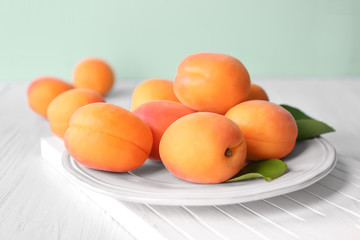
<point x="41" y="91"/>
<point x="257" y="93"/>
<point x="107" y="137"/>
<point x="159" y="115"/>
<point x="211" y="82"/>
<point x="95" y="74"/>
<point x="269" y="130"/>
<point x="153" y="89"/>
<point x="203" y="147"/>
<point x="64" y="105"/>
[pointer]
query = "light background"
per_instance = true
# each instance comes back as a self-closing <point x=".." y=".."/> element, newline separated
<point x="146" y="39"/>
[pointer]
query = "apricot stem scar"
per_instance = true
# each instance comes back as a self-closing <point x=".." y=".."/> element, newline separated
<point x="228" y="152"/>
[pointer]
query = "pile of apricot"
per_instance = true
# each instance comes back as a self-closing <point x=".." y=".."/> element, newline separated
<point x="204" y="126"/>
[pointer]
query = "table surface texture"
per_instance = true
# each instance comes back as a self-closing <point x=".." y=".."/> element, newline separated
<point x="38" y="202"/>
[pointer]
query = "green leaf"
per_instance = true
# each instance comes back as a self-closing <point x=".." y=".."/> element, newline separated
<point x="268" y="169"/>
<point x="309" y="128"/>
<point x="295" y="112"/>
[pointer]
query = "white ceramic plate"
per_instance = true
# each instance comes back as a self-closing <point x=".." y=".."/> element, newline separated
<point x="152" y="183"/>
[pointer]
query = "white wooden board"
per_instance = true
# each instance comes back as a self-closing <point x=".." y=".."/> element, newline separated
<point x="37" y="202"/>
<point x="330" y="206"/>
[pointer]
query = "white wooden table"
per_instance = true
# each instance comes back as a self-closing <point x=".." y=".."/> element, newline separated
<point x="36" y="202"/>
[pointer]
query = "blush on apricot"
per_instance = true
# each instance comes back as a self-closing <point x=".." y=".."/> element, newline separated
<point x="159" y="115"/>
<point x="107" y="137"/>
<point x="153" y="89"/>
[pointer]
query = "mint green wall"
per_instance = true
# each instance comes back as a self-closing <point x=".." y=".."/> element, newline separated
<point x="144" y="39"/>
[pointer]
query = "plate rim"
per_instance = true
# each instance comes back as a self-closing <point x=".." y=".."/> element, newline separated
<point x="167" y="201"/>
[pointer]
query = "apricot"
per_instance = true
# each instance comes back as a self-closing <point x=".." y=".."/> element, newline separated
<point x="94" y="74"/>
<point x="257" y="93"/>
<point x="41" y="91"/>
<point x="269" y="130"/>
<point x="64" y="105"/>
<point x="159" y="115"/>
<point x="211" y="82"/>
<point x="107" y="137"/>
<point x="153" y="89"/>
<point x="203" y="147"/>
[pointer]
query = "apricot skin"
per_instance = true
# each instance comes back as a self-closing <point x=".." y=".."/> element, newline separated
<point x="159" y="115"/>
<point x="64" y="105"/>
<point x="41" y="91"/>
<point x="257" y="93"/>
<point x="194" y="148"/>
<point x="269" y="130"/>
<point x="211" y="82"/>
<point x="107" y="137"/>
<point x="153" y="89"/>
<point x="94" y="74"/>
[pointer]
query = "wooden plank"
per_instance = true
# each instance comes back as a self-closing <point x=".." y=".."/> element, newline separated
<point x="36" y="203"/>
<point x="222" y="224"/>
<point x="185" y="222"/>
<point x="132" y="216"/>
